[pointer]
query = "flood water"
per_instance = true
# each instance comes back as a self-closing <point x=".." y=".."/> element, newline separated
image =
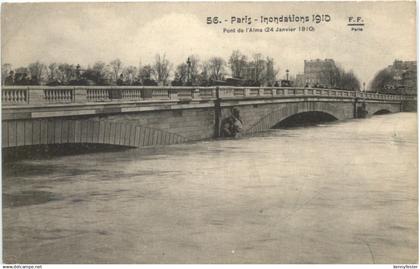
<point x="342" y="192"/>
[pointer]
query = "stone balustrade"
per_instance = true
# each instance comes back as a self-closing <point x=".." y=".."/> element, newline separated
<point x="46" y="95"/>
<point x="15" y="96"/>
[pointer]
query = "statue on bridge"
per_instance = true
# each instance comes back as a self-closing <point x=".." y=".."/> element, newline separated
<point x="232" y="125"/>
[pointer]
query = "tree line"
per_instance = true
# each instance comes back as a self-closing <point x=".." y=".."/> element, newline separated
<point x="255" y="71"/>
<point x="385" y="82"/>
<point x="345" y="80"/>
<point x="243" y="70"/>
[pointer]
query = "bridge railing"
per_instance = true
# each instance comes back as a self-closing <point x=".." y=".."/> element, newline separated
<point x="15" y="96"/>
<point x="46" y="95"/>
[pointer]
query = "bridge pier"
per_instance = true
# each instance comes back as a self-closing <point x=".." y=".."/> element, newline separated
<point x="217" y="113"/>
<point x="409" y="105"/>
<point x="355" y="104"/>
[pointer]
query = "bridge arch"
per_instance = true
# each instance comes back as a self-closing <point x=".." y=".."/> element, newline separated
<point x="309" y="117"/>
<point x="276" y="116"/>
<point x="52" y="131"/>
<point x="382" y="112"/>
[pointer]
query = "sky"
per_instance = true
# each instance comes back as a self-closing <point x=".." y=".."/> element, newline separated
<point x="83" y="33"/>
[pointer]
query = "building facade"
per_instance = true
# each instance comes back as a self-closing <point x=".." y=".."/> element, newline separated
<point x="300" y="80"/>
<point x="321" y="73"/>
<point x="405" y="76"/>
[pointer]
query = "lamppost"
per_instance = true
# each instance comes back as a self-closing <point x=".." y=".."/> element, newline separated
<point x="78" y="71"/>
<point x="188" y="71"/>
<point x="287" y="74"/>
<point x="364" y="96"/>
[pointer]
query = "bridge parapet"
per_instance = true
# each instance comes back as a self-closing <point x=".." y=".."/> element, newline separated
<point x="45" y="95"/>
<point x="147" y="116"/>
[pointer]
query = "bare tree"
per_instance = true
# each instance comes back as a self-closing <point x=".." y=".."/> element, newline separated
<point x="116" y="66"/>
<point x="382" y="81"/>
<point x="162" y="69"/>
<point x="146" y="73"/>
<point x="338" y="78"/>
<point x="22" y="70"/>
<point x="204" y="76"/>
<point x="349" y="81"/>
<point x="5" y="70"/>
<point x="238" y="63"/>
<point x="216" y="68"/>
<point x="53" y="68"/>
<point x="130" y="74"/>
<point x="333" y="75"/>
<point x="98" y="73"/>
<point x="181" y="73"/>
<point x="37" y="71"/>
<point x="270" y="75"/>
<point x="67" y="72"/>
<point x="258" y="65"/>
<point x="99" y="68"/>
<point x="20" y="76"/>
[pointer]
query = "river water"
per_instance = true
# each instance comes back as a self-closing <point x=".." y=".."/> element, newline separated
<point x="342" y="192"/>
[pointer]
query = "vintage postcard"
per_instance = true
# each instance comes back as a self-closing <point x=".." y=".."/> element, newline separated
<point x="209" y="133"/>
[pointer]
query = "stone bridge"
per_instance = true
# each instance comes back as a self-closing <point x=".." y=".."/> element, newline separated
<point x="149" y="116"/>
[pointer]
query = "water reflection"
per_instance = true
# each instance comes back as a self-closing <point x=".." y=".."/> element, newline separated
<point x="25" y="198"/>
